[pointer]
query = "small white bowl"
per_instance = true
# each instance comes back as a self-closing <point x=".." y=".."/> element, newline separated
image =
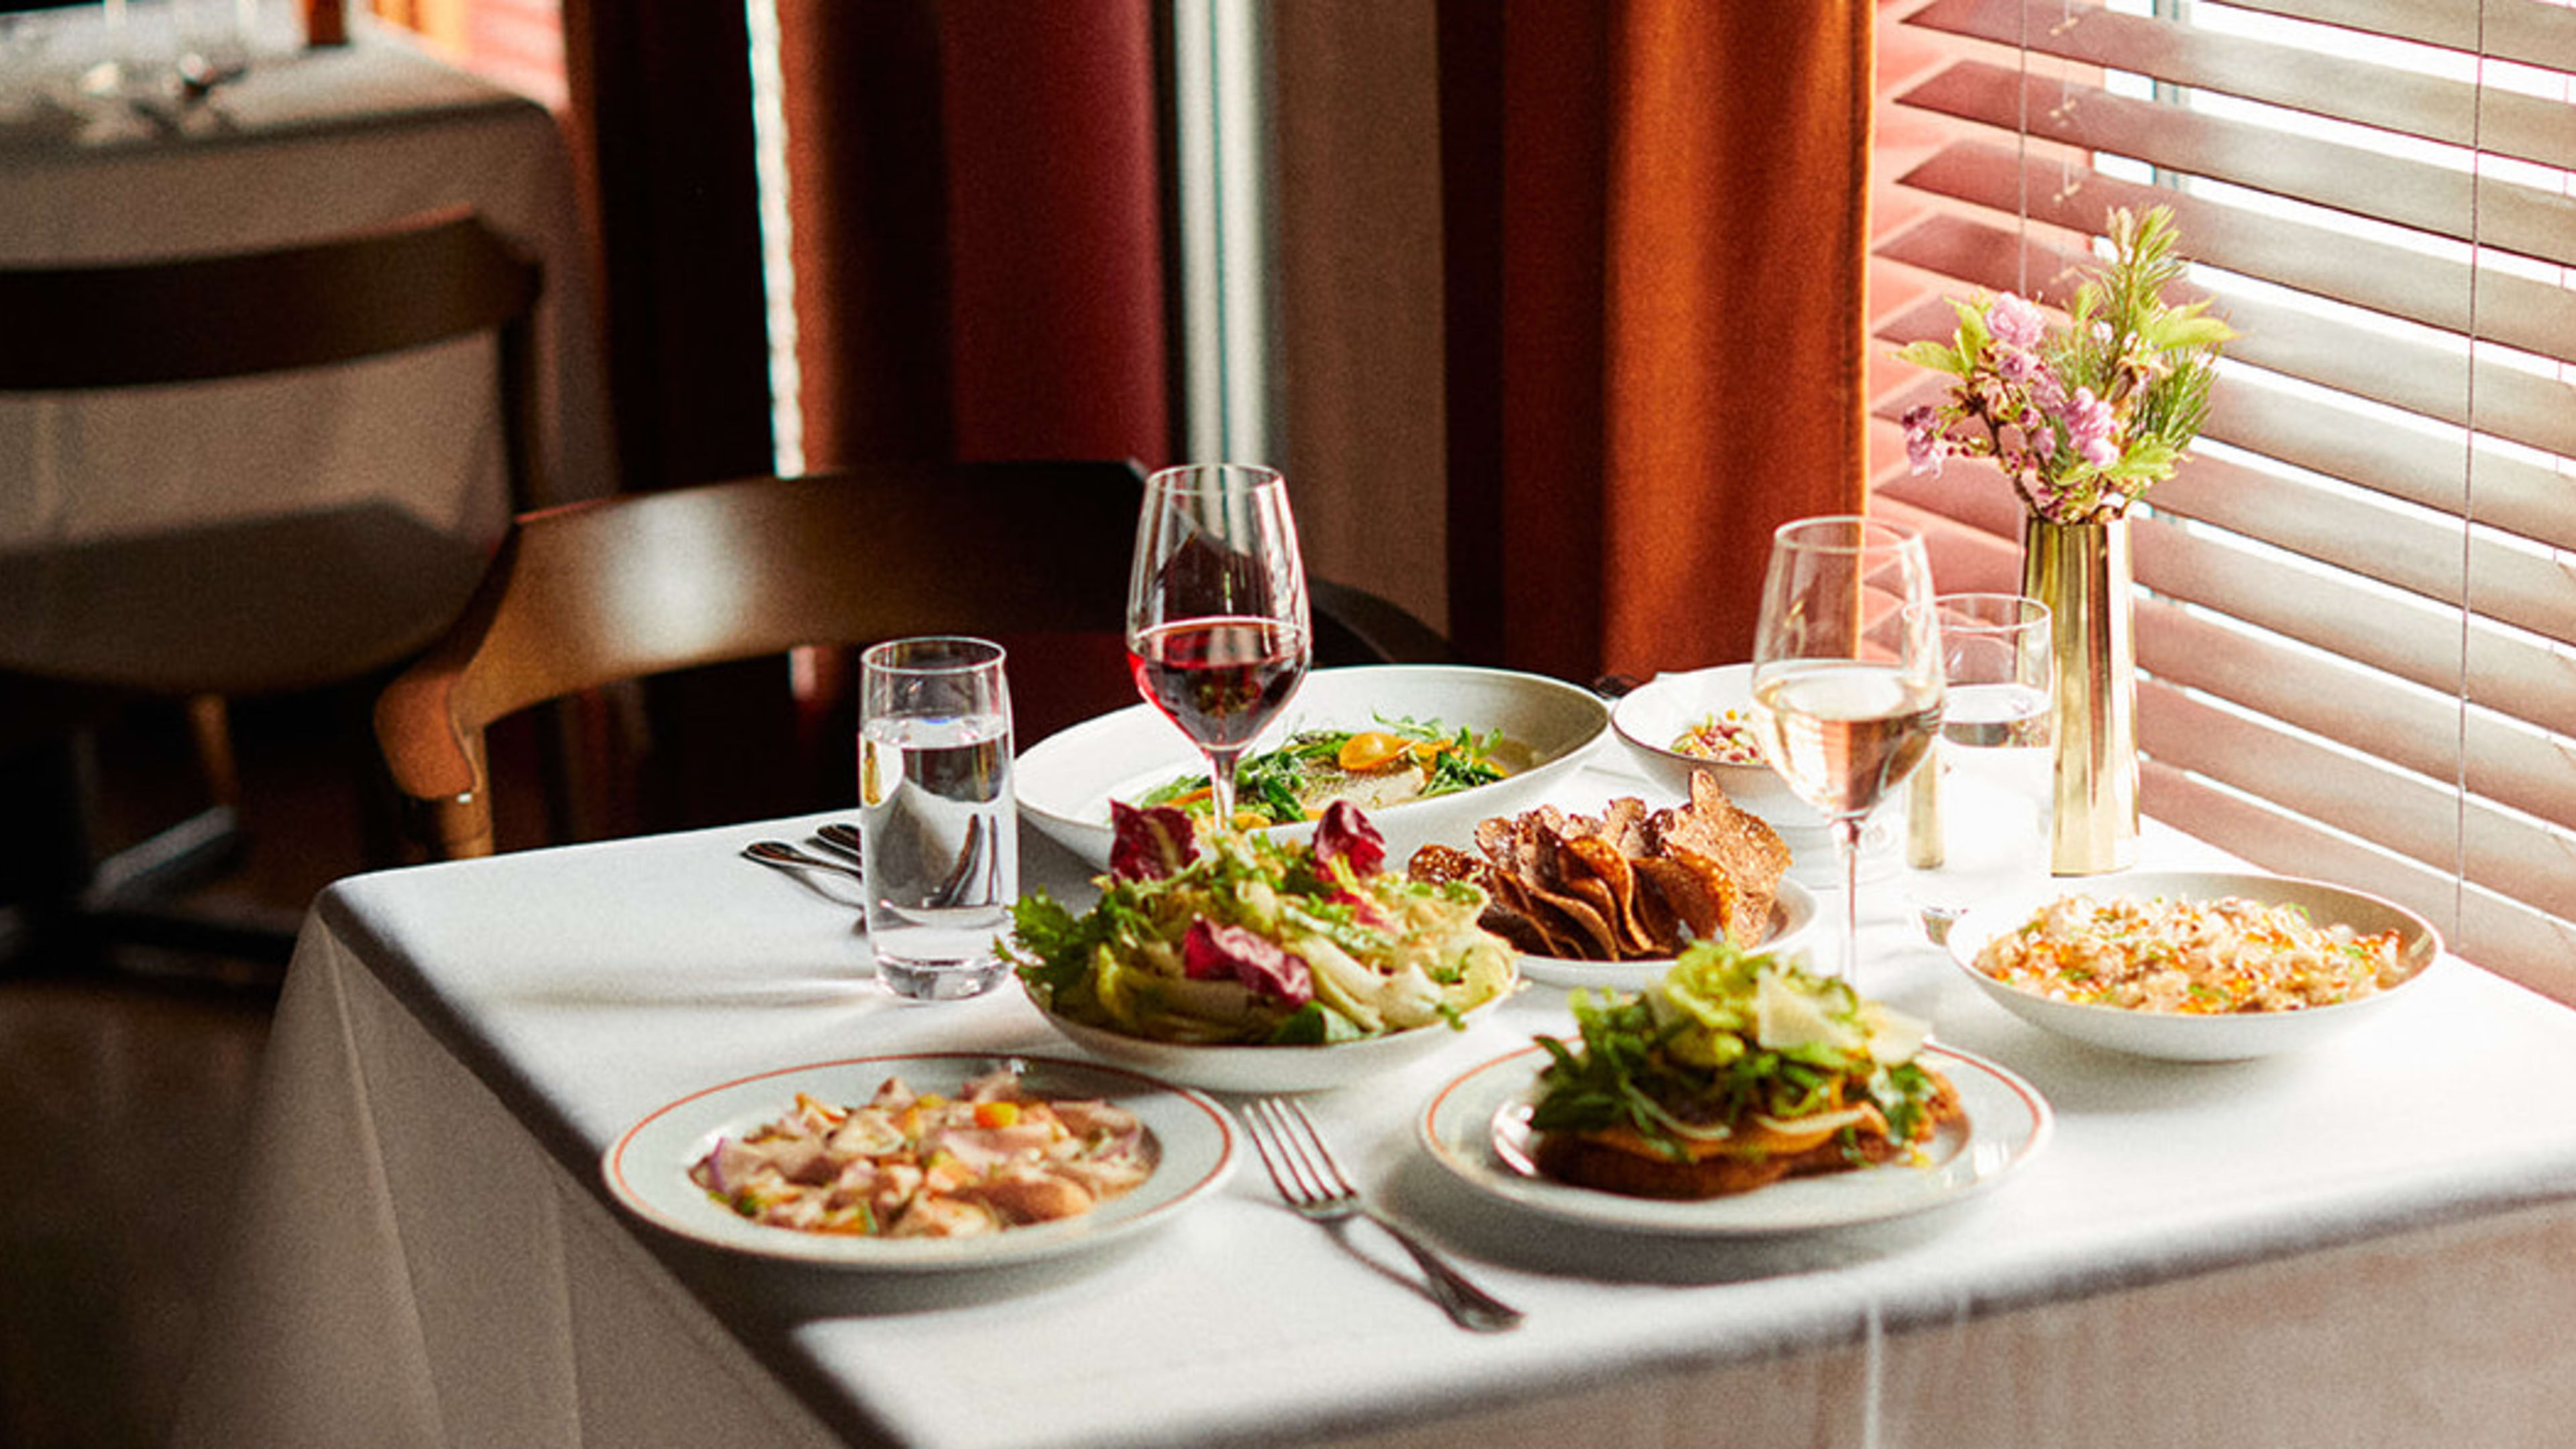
<point x="1066" y="781"/>
<point x="2173" y="1036"/>
<point x="1654" y="714"/>
<point x="1793" y="920"/>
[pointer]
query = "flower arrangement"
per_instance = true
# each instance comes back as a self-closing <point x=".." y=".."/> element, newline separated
<point x="2085" y="416"/>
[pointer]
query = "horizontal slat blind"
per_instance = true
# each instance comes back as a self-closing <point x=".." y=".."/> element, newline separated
<point x="2357" y="623"/>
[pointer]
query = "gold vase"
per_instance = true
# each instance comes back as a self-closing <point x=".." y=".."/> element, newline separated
<point x="2081" y="571"/>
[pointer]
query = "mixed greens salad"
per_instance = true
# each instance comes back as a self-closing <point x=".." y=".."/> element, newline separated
<point x="1402" y="759"/>
<point x="1232" y="938"/>
<point x="1728" y="1038"/>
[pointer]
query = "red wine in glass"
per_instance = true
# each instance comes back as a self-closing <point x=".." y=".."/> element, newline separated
<point x="1216" y="609"/>
<point x="1220" y="680"/>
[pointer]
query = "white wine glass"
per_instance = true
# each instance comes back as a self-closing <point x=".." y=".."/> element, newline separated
<point x="1218" y="633"/>
<point x="1847" y="678"/>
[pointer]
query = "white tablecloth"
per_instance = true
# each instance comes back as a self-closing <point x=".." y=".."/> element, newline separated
<point x="305" y="144"/>
<point x="2366" y="1244"/>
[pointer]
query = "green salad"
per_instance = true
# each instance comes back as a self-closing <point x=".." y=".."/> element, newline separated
<point x="1222" y="937"/>
<point x="1729" y="1039"/>
<point x="1400" y="760"/>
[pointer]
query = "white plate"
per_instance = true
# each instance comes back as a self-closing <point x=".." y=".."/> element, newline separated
<point x="2171" y="1035"/>
<point x="1270" y="1068"/>
<point x="647" y="1167"/>
<point x="1651" y="716"/>
<point x="1793" y="919"/>
<point x="1066" y="781"/>
<point x="1478" y="1125"/>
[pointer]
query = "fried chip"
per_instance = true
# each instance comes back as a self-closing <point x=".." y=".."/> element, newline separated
<point x="1628" y="884"/>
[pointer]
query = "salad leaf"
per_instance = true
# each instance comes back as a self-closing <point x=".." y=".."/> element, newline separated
<point x="1251" y="939"/>
<point x="1726" y="1033"/>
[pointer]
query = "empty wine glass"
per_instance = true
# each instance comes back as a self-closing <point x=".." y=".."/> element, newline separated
<point x="1847" y="675"/>
<point x="1217" y="627"/>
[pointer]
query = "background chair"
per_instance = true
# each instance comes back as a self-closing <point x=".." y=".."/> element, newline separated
<point x="289" y="601"/>
<point x="614" y="590"/>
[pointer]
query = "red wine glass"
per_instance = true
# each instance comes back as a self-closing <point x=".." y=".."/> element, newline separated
<point x="1217" y="626"/>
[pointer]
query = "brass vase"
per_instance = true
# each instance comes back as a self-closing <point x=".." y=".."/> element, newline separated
<point x="2081" y="571"/>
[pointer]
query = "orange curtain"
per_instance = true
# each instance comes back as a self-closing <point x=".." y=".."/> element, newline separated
<point x="1657" y="220"/>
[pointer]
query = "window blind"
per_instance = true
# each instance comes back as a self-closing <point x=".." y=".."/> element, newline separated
<point x="2357" y="619"/>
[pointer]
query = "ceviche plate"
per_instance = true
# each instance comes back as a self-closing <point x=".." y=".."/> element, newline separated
<point x="1270" y="1068"/>
<point x="647" y="1167"/>
<point x="1477" y="1127"/>
<point x="1793" y="920"/>
<point x="1066" y="781"/>
<point x="2176" y="1036"/>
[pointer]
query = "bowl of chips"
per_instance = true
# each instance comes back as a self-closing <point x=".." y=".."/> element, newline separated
<point x="1701" y="722"/>
<point x="1620" y="893"/>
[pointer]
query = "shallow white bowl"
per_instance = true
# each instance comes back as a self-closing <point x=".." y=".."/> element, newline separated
<point x="1654" y="714"/>
<point x="1066" y="781"/>
<point x="2173" y="1036"/>
<point x="1793" y="921"/>
<point x="1269" y="1068"/>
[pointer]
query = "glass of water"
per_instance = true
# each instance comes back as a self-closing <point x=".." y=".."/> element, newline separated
<point x="938" y="821"/>
<point x="1989" y="800"/>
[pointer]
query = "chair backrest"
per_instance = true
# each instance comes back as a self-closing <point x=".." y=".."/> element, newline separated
<point x="437" y="277"/>
<point x="265" y="601"/>
<point x="647" y="583"/>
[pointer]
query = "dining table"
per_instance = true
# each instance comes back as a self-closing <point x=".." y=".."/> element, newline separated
<point x="104" y="158"/>
<point x="2367" y="1241"/>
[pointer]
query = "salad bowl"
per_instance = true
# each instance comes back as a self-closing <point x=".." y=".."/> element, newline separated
<point x="1066" y="781"/>
<point x="1271" y="1068"/>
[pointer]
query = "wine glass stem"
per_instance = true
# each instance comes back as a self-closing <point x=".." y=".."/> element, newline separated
<point x="1221" y="786"/>
<point x="1847" y="848"/>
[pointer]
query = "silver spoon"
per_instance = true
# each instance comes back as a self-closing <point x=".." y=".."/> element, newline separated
<point x="787" y="857"/>
<point x="841" y="836"/>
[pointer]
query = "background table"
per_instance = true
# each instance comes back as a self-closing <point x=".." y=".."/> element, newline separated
<point x="306" y="143"/>
<point x="2366" y="1244"/>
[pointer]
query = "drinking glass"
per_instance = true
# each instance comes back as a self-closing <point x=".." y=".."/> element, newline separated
<point x="938" y="822"/>
<point x="1846" y="675"/>
<point x="1217" y="627"/>
<point x="1985" y="788"/>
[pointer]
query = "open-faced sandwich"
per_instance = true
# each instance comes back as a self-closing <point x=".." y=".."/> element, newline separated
<point x="1221" y="937"/>
<point x="1730" y="1073"/>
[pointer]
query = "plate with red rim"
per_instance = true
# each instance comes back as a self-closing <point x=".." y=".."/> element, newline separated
<point x="1477" y="1127"/>
<point x="647" y="1168"/>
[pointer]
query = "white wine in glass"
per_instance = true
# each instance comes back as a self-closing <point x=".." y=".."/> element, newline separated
<point x="1847" y="677"/>
<point x="1218" y="633"/>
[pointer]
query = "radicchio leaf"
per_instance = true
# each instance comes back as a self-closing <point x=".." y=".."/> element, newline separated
<point x="1151" y="843"/>
<point x="1218" y="952"/>
<point x="1346" y="833"/>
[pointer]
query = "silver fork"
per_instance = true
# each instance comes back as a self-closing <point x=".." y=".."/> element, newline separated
<point x="1304" y="1171"/>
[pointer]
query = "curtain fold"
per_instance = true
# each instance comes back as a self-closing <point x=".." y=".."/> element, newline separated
<point x="1677" y="221"/>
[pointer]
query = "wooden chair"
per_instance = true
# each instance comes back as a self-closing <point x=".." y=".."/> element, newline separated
<point x="248" y="605"/>
<point x="609" y="591"/>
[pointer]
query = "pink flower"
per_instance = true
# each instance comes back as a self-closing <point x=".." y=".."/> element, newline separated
<point x="2015" y="322"/>
<point x="1924" y="445"/>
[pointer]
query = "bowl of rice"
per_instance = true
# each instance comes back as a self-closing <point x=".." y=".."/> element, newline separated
<point x="2194" y="965"/>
